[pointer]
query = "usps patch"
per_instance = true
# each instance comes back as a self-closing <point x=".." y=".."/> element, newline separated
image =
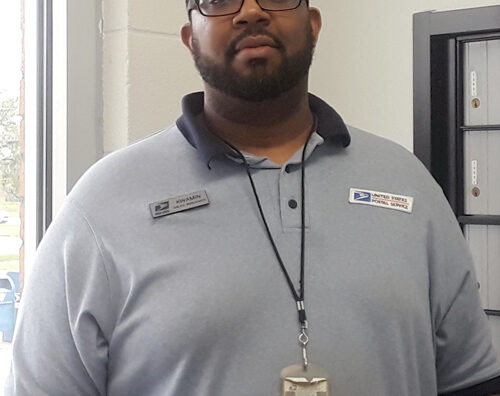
<point x="381" y="199"/>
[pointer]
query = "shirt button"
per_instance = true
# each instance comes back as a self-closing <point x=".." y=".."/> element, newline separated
<point x="293" y="204"/>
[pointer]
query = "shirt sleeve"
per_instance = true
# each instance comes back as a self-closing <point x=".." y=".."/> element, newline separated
<point x="464" y="351"/>
<point x="60" y="345"/>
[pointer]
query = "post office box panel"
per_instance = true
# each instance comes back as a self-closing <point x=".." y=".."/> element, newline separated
<point x="482" y="172"/>
<point x="484" y="243"/>
<point x="482" y="83"/>
<point x="493" y="82"/>
<point x="475" y="84"/>
<point x="494" y="322"/>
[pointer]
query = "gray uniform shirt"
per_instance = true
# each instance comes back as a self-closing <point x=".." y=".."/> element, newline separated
<point x="194" y="303"/>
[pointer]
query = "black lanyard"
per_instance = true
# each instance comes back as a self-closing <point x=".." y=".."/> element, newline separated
<point x="298" y="297"/>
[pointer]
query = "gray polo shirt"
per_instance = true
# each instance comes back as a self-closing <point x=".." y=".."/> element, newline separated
<point x="194" y="302"/>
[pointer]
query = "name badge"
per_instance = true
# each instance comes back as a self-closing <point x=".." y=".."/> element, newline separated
<point x="298" y="382"/>
<point x="179" y="204"/>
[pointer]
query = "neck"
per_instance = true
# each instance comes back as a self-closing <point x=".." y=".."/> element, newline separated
<point x="274" y="128"/>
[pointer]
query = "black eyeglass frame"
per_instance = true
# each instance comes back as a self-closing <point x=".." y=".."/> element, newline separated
<point x="193" y="4"/>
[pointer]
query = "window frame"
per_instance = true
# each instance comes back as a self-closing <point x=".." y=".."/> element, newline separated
<point x="63" y="45"/>
<point x="69" y="100"/>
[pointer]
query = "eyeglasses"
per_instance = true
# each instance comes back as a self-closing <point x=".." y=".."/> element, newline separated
<point x="229" y="7"/>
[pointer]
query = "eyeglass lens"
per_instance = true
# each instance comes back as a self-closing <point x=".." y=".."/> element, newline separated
<point x="227" y="7"/>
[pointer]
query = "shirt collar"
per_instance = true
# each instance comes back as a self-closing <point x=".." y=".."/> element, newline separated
<point x="330" y="126"/>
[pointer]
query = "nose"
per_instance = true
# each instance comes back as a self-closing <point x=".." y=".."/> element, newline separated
<point x="251" y="13"/>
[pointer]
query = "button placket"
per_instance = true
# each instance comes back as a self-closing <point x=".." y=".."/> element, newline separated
<point x="290" y="197"/>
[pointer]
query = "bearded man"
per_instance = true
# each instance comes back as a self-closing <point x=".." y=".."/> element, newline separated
<point x="258" y="247"/>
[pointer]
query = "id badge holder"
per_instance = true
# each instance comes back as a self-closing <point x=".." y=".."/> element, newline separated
<point x="299" y="382"/>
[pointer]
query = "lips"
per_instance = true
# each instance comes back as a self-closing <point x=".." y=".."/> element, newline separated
<point x="255" y="42"/>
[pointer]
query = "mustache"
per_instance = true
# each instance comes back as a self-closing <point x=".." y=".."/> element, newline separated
<point x="252" y="31"/>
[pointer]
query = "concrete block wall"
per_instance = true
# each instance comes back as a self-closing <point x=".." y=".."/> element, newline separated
<point x="363" y="64"/>
<point x="146" y="68"/>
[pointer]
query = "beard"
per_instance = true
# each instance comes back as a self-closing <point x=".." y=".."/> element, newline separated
<point x="260" y="84"/>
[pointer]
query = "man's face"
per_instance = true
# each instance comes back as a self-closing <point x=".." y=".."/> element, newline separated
<point x="253" y="55"/>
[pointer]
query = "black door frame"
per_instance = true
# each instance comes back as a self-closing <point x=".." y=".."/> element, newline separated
<point x="438" y="42"/>
<point x="436" y="36"/>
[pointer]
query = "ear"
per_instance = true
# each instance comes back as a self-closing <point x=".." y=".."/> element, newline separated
<point x="315" y="18"/>
<point x="187" y="36"/>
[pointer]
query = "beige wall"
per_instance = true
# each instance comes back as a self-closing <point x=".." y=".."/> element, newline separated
<point x="363" y="64"/>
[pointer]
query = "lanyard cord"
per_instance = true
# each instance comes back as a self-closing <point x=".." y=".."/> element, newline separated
<point x="299" y="298"/>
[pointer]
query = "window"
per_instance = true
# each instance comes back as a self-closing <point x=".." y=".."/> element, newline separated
<point x="51" y="92"/>
<point x="16" y="241"/>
